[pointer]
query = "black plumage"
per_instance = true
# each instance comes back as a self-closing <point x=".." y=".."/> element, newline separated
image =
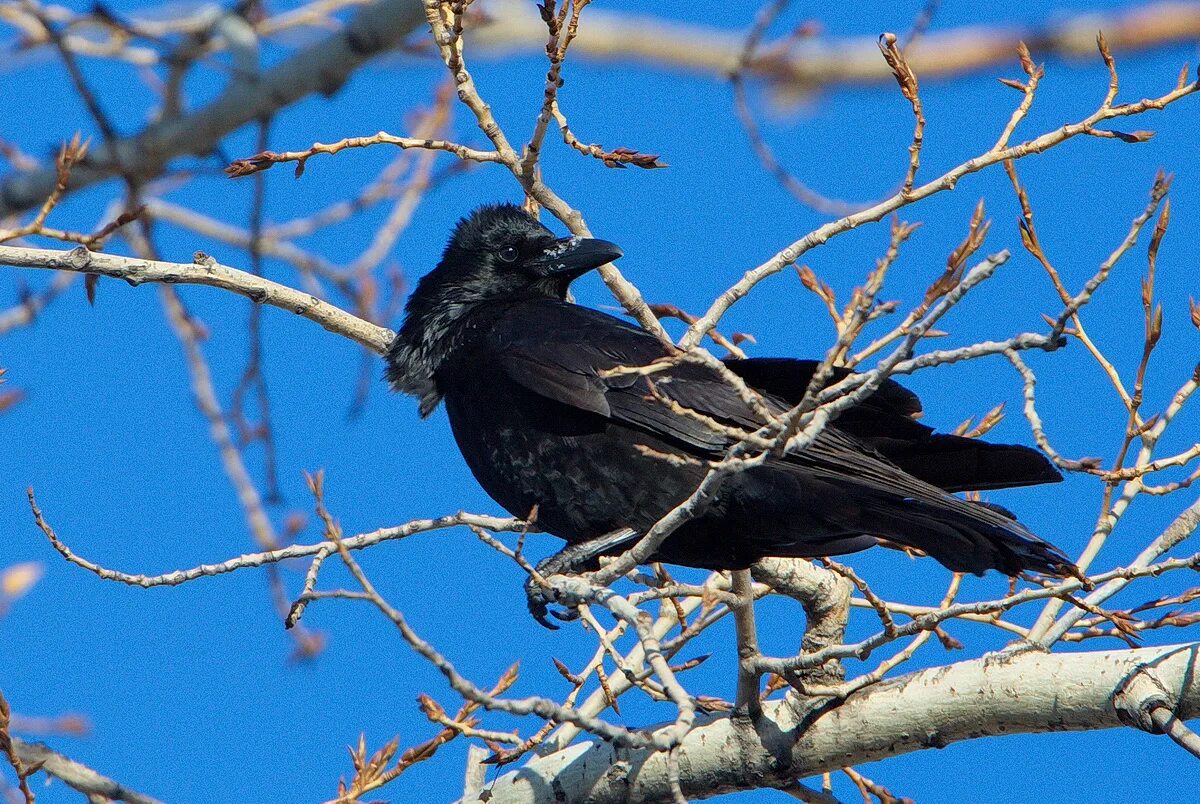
<point x="541" y="421"/>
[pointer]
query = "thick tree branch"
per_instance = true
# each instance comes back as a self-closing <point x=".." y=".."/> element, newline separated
<point x="1027" y="693"/>
<point x="825" y="597"/>
<point x="321" y="68"/>
<point x="326" y="65"/>
<point x="816" y="63"/>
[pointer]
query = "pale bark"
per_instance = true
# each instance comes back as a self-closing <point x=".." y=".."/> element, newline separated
<point x="1015" y="693"/>
<point x="321" y="68"/>
<point x="93" y="785"/>
<point x="208" y="272"/>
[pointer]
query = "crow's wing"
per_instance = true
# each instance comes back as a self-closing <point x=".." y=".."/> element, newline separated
<point x="574" y="367"/>
<point x="956" y="463"/>
<point x="890" y="409"/>
<point x="885" y="422"/>
<point x="547" y="372"/>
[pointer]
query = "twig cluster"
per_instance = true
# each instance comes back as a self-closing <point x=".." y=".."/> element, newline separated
<point x="655" y="622"/>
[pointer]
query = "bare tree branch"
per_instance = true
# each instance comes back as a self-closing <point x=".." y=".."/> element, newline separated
<point x="1026" y="693"/>
<point x="205" y="271"/>
<point x="321" y="68"/>
<point x="78" y="776"/>
<point x="815" y="63"/>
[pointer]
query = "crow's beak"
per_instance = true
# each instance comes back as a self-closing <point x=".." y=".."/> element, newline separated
<point x="575" y="256"/>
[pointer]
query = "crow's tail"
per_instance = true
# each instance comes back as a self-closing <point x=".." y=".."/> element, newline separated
<point x="973" y="537"/>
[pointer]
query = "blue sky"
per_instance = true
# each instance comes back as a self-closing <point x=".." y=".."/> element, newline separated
<point x="190" y="690"/>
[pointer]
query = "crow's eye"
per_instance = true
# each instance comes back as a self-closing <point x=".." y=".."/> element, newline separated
<point x="508" y="254"/>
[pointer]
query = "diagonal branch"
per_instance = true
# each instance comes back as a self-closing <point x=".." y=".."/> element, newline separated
<point x="947" y="181"/>
<point x="205" y="271"/>
<point x="321" y="68"/>
<point x="76" y="775"/>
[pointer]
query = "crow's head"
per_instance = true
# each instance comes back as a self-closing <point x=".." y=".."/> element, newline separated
<point x="497" y="253"/>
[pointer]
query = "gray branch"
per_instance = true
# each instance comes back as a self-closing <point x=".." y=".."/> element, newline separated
<point x="76" y="775"/>
<point x="322" y="67"/>
<point x="205" y="271"/>
<point x="1030" y="692"/>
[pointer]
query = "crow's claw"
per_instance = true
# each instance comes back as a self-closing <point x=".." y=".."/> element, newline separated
<point x="539" y="600"/>
<point x="539" y="612"/>
<point x="570" y="560"/>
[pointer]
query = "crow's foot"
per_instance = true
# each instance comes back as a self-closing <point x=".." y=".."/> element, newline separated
<point x="571" y="560"/>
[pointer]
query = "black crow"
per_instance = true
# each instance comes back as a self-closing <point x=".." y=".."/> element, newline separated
<point x="541" y="421"/>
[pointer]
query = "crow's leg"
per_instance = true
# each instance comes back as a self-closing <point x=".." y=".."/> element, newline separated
<point x="571" y="560"/>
